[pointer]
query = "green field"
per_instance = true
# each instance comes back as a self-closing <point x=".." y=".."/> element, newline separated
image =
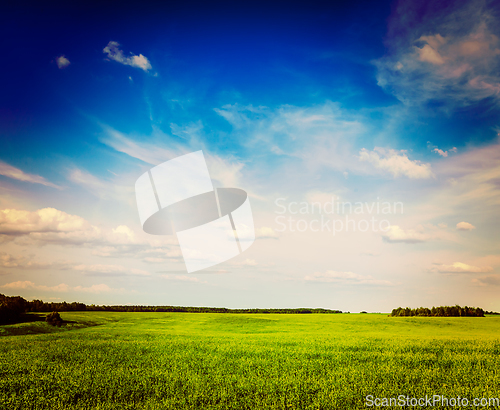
<point x="244" y="361"/>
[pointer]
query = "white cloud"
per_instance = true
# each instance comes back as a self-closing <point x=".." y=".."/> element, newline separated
<point x="19" y="222"/>
<point x="449" y="56"/>
<point x="473" y="184"/>
<point x="459" y="267"/>
<point x="62" y="62"/>
<point x="345" y="278"/>
<point x="440" y="152"/>
<point x="86" y="179"/>
<point x="15" y="173"/>
<point x="319" y="136"/>
<point x="395" y="234"/>
<point x="465" y="226"/>
<point x="395" y="163"/>
<point x="183" y="278"/>
<point x="53" y="226"/>
<point x="114" y="53"/>
<point x="266" y="233"/>
<point x="421" y="233"/>
<point x="224" y="171"/>
<point x="27" y="262"/>
<point x="109" y="270"/>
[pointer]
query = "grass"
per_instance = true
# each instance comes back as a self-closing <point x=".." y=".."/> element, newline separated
<point x="106" y="360"/>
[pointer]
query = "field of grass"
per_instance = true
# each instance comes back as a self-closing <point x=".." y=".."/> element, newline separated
<point x="108" y="360"/>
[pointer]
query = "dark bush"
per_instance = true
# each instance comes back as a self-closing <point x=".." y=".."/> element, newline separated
<point x="54" y="319"/>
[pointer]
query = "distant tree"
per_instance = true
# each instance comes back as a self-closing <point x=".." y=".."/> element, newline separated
<point x="11" y="308"/>
<point x="439" y="311"/>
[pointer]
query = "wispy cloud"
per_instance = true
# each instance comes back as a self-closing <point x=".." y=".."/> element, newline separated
<point x="28" y="262"/>
<point x="449" y="55"/>
<point x="109" y="270"/>
<point x="345" y="278"/>
<point x="225" y="171"/>
<point x="183" y="278"/>
<point x="422" y="233"/>
<point x="112" y="50"/>
<point x="15" y="173"/>
<point x="459" y="267"/>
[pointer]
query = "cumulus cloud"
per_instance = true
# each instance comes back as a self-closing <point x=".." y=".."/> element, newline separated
<point x="459" y="267"/>
<point x="345" y="278"/>
<point x="19" y="222"/>
<point x="28" y="285"/>
<point x="448" y="53"/>
<point x="62" y="62"/>
<point x="395" y="163"/>
<point x="395" y="234"/>
<point x="465" y="226"/>
<point x="15" y="173"/>
<point x="53" y="226"/>
<point x="112" y="50"/>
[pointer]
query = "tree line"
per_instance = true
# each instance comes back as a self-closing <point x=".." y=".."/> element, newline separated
<point x="12" y="307"/>
<point x="439" y="311"/>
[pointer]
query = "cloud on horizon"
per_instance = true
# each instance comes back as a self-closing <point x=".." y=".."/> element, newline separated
<point x="345" y="278"/>
<point x="28" y="285"/>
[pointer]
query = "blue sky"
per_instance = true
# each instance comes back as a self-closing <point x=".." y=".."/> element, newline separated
<point x="366" y="102"/>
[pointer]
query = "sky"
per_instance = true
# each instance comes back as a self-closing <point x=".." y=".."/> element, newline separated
<point x="366" y="135"/>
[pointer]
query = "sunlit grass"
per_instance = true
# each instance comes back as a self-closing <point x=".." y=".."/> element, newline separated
<point x="245" y="361"/>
